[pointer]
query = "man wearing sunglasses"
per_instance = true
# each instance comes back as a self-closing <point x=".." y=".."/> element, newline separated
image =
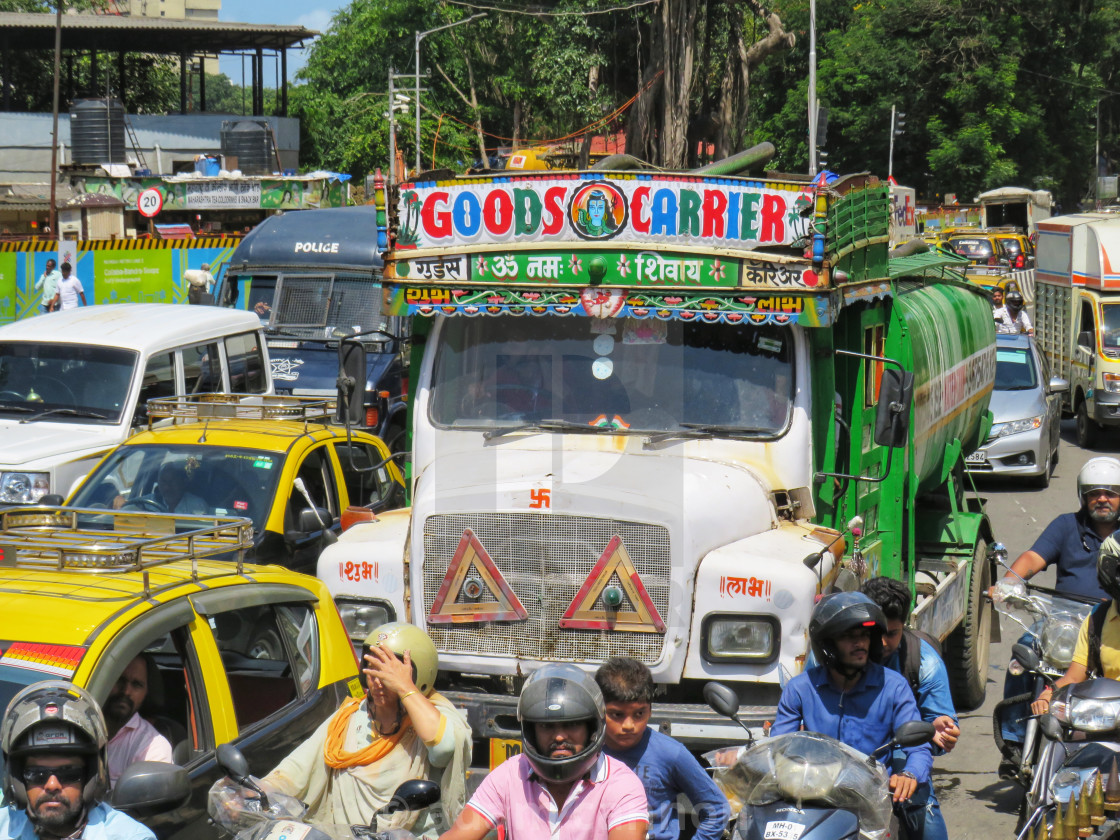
<point x="53" y="738"/>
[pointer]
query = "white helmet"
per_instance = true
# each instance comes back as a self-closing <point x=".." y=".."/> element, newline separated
<point x="1098" y="474"/>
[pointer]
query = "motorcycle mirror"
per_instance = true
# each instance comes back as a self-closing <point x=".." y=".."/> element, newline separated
<point x="1050" y="727"/>
<point x="1025" y="656"/>
<point x="148" y="788"/>
<point x="999" y="552"/>
<point x="914" y="732"/>
<point x="410" y="796"/>
<point x="722" y="700"/>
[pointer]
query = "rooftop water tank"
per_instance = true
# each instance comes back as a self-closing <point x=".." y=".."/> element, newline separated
<point x="97" y="131"/>
<point x="251" y="142"/>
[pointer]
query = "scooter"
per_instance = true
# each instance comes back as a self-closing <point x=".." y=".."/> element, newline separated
<point x="258" y="815"/>
<point x="804" y="785"/>
<point x="1076" y="786"/>
<point x="1052" y="621"/>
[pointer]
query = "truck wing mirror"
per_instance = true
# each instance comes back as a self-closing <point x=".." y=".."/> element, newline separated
<point x="351" y="383"/>
<point x="892" y="417"/>
<point x="1085" y="339"/>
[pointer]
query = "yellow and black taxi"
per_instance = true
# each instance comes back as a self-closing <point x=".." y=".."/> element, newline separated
<point x="255" y="655"/>
<point x="279" y="461"/>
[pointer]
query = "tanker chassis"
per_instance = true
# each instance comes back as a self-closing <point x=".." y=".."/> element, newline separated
<point x="656" y="415"/>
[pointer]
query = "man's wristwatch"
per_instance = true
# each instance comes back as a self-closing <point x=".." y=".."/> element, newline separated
<point x="908" y="775"/>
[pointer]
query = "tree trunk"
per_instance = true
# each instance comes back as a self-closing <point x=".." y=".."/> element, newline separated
<point x="678" y="25"/>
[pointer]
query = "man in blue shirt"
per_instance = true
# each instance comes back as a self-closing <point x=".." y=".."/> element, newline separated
<point x="909" y="654"/>
<point x="850" y="696"/>
<point x="1071" y="542"/>
<point x="665" y="767"/>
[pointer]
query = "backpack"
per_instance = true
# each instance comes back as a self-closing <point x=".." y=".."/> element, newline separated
<point x="910" y="656"/>
<point x="1096" y="628"/>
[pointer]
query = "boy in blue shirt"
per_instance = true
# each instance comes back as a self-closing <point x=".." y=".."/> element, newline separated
<point x="665" y="767"/>
<point x="851" y="697"/>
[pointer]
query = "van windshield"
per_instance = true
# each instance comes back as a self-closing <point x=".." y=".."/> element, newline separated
<point x="625" y="374"/>
<point x="313" y="306"/>
<point x="65" y="382"/>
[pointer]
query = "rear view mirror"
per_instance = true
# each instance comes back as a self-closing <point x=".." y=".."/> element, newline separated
<point x="1058" y="385"/>
<point x="314" y="519"/>
<point x="1085" y="339"/>
<point x="148" y="788"/>
<point x="721" y="699"/>
<point x="411" y="795"/>
<point x="914" y="732"/>
<point x="892" y="417"/>
<point x="351" y="383"/>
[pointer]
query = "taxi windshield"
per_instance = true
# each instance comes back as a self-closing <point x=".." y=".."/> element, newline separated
<point x="624" y="374"/>
<point x="187" y="479"/>
<point x="65" y="382"/>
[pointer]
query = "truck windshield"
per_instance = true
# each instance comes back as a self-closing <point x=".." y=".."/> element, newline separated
<point x="1110" y="328"/>
<point x="627" y="374"/>
<point x="313" y="306"/>
<point x="66" y="382"/>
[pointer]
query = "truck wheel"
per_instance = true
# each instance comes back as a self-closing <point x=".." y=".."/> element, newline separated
<point x="966" y="649"/>
<point x="1087" y="429"/>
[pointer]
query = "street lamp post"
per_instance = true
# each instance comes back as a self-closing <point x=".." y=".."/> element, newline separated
<point x="420" y="36"/>
<point x="812" y="87"/>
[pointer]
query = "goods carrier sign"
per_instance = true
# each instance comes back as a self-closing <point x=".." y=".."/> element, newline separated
<point x="585" y="208"/>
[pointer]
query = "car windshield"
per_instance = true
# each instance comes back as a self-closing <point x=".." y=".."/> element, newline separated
<point x="313" y="306"/>
<point x="972" y="248"/>
<point x="1015" y="369"/>
<point x="65" y="382"/>
<point x="625" y="374"/>
<point x="188" y="479"/>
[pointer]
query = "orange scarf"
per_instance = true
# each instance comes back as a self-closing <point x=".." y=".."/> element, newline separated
<point x="337" y="758"/>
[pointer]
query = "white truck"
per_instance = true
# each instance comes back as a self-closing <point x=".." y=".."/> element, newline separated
<point x="1015" y="207"/>
<point x="1077" y="315"/>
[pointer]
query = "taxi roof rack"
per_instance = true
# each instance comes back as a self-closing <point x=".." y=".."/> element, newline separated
<point x="77" y="539"/>
<point x="241" y="407"/>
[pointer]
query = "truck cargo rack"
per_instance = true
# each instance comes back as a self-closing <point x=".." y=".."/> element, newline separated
<point x="241" y="407"/>
<point x="101" y="541"/>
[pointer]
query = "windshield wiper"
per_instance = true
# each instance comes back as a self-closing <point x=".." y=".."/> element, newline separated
<point x="708" y="430"/>
<point x="73" y="412"/>
<point x="21" y="408"/>
<point x="550" y="425"/>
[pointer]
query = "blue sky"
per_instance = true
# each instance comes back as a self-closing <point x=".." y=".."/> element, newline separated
<point x="313" y="14"/>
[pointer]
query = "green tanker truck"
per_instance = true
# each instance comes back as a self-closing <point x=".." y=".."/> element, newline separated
<point x="656" y="415"/>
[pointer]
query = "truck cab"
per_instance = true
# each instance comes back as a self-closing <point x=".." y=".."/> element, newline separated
<point x="313" y="277"/>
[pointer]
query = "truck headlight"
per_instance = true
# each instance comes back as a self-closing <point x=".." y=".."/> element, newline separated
<point x="1112" y="383"/>
<point x="1015" y="427"/>
<point x="23" y="488"/>
<point x="740" y="638"/>
<point x="361" y="617"/>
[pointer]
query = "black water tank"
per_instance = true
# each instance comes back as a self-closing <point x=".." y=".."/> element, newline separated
<point x="97" y="131"/>
<point x="251" y="142"/>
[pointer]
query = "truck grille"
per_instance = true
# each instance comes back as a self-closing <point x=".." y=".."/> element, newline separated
<point x="545" y="559"/>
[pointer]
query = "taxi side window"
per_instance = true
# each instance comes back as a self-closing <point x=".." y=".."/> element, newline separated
<point x="364" y="486"/>
<point x="270" y="653"/>
<point x="318" y="479"/>
<point x="246" y="364"/>
<point x="202" y="369"/>
<point x="159" y="381"/>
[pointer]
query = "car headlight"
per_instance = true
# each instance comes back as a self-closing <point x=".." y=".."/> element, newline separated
<point x="1086" y="714"/>
<point x="1015" y="427"/>
<point x="361" y="617"/>
<point x="23" y="488"/>
<point x="1059" y="638"/>
<point x="738" y="638"/>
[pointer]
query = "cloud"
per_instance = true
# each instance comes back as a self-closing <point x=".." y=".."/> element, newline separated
<point x="317" y="19"/>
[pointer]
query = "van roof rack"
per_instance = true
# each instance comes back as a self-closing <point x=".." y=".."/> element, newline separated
<point x="241" y="407"/>
<point x="102" y="541"/>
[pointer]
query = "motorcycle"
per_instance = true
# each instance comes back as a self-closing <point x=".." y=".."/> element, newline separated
<point x="245" y="811"/>
<point x="1076" y="786"/>
<point x="1052" y="620"/>
<point x="804" y="785"/>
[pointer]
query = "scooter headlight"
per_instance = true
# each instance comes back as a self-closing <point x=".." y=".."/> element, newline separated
<point x="800" y="777"/>
<point x="1059" y="638"/>
<point x="1087" y="714"/>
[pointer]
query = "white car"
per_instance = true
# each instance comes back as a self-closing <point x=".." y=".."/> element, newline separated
<point x="74" y="384"/>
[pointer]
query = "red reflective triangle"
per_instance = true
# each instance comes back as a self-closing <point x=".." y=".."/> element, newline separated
<point x="471" y="555"/>
<point x="615" y="562"/>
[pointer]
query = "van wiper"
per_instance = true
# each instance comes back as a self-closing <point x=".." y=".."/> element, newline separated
<point x="73" y="412"/>
<point x="708" y="430"/>
<point x="550" y="425"/>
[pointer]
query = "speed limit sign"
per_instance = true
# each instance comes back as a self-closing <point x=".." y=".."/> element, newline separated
<point x="150" y="202"/>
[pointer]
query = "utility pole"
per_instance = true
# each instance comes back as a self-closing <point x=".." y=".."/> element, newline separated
<point x="419" y="37"/>
<point x="813" y="87"/>
<point x="898" y="122"/>
<point x="392" y="137"/>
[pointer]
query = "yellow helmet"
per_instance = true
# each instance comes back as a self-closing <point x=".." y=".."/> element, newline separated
<point x="400" y="636"/>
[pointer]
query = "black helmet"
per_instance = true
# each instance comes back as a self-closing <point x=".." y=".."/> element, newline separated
<point x="554" y="694"/>
<point x="54" y="718"/>
<point x="1108" y="567"/>
<point x="1013" y="299"/>
<point x="834" y="616"/>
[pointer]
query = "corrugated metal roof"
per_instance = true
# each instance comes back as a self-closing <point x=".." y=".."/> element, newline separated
<point x="28" y="31"/>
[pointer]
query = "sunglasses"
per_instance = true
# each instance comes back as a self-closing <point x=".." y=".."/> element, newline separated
<point x="68" y="774"/>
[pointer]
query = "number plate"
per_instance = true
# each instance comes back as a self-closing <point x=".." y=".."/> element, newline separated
<point x="783" y="830"/>
<point x="977" y="458"/>
<point x="503" y="748"/>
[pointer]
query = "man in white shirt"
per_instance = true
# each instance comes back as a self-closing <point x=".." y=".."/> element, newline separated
<point x="200" y="281"/>
<point x="48" y="283"/>
<point x="1012" y="317"/>
<point x="131" y="738"/>
<point x="69" y="290"/>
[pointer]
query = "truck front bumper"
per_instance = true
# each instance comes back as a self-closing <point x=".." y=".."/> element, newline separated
<point x="1106" y="408"/>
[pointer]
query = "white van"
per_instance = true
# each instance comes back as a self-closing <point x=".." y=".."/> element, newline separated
<point x="74" y="384"/>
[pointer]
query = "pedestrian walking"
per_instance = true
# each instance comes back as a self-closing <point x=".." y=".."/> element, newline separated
<point x="69" y="290"/>
<point x="48" y="282"/>
<point x="200" y="282"/>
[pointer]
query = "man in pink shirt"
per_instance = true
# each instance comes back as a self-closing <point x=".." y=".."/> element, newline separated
<point x="562" y="785"/>
<point x="131" y="738"/>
